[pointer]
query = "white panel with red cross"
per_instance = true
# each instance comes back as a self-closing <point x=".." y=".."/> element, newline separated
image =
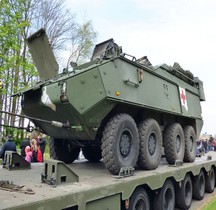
<point x="183" y="98"/>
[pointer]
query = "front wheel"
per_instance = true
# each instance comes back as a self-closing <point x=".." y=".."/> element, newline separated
<point x="63" y="150"/>
<point x="120" y="143"/>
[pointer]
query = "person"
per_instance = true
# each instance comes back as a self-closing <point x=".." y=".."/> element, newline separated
<point x="9" y="145"/>
<point x="40" y="140"/>
<point x="23" y="145"/>
<point x="205" y="145"/>
<point x="36" y="152"/>
<point x="28" y="154"/>
<point x="214" y="144"/>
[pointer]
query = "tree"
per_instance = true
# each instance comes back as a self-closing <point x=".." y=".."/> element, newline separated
<point x="20" y="18"/>
<point x="65" y="35"/>
<point x="82" y="43"/>
<point x="12" y="29"/>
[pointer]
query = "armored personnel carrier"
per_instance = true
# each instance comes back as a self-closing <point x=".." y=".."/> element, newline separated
<point x="115" y="107"/>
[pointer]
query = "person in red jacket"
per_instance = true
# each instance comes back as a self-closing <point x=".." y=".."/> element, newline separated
<point x="41" y="141"/>
<point x="36" y="152"/>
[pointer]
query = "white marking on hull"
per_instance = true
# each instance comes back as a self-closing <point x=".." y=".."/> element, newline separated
<point x="46" y="100"/>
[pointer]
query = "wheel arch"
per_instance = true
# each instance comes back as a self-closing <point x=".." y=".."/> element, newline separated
<point x="128" y="193"/>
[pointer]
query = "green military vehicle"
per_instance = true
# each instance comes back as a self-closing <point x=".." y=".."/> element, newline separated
<point x="115" y="107"/>
<point x="120" y="109"/>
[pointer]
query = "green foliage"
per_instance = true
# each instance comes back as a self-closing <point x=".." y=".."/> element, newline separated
<point x="17" y="18"/>
<point x="87" y="36"/>
<point x="13" y="24"/>
<point x="210" y="205"/>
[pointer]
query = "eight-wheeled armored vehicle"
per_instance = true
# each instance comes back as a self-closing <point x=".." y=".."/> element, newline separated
<point x="115" y="107"/>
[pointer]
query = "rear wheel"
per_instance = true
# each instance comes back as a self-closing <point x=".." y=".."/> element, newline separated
<point x="92" y="153"/>
<point x="165" y="198"/>
<point x="190" y="144"/>
<point x="184" y="192"/>
<point x="120" y="143"/>
<point x="174" y="143"/>
<point x="63" y="150"/>
<point x="150" y="144"/>
<point x="139" y="200"/>
<point x="199" y="186"/>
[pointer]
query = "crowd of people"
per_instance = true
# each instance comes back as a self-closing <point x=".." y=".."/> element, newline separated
<point x="31" y="148"/>
<point x="205" y="145"/>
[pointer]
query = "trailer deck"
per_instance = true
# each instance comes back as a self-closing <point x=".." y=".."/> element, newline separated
<point x="95" y="184"/>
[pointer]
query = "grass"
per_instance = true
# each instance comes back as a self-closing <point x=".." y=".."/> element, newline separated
<point x="46" y="153"/>
<point x="210" y="204"/>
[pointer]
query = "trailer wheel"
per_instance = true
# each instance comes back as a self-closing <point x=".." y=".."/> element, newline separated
<point x="139" y="200"/>
<point x="165" y="198"/>
<point x="174" y="143"/>
<point x="184" y="192"/>
<point x="199" y="186"/>
<point x="190" y="144"/>
<point x="92" y="153"/>
<point x="210" y="181"/>
<point x="63" y="150"/>
<point x="120" y="143"/>
<point x="150" y="144"/>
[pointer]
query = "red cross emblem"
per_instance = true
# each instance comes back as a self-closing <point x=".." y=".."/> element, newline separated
<point x="183" y="98"/>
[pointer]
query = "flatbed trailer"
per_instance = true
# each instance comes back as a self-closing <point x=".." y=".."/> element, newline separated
<point x="96" y="189"/>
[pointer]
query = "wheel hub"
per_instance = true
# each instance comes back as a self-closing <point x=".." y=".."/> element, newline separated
<point x="191" y="144"/>
<point x="152" y="143"/>
<point x="125" y="143"/>
<point x="140" y="205"/>
<point x="168" y="197"/>
<point x="178" y="143"/>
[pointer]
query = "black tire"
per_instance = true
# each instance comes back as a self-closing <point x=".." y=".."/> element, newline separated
<point x="190" y="144"/>
<point x="92" y="153"/>
<point x="139" y="200"/>
<point x="210" y="181"/>
<point x="199" y="186"/>
<point x="150" y="144"/>
<point x="174" y="143"/>
<point x="184" y="193"/>
<point x="52" y="149"/>
<point x="120" y="143"/>
<point x="63" y="150"/>
<point x="165" y="198"/>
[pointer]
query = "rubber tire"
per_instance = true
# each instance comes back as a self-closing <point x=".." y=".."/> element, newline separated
<point x="139" y="200"/>
<point x="92" y="153"/>
<point x="146" y="160"/>
<point x="210" y="181"/>
<point x="165" y="198"/>
<point x="170" y="136"/>
<point x="185" y="193"/>
<point x="63" y="150"/>
<point x="199" y="186"/>
<point x="190" y="144"/>
<point x="112" y="157"/>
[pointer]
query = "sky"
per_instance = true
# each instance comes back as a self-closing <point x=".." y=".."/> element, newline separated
<point x="167" y="31"/>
